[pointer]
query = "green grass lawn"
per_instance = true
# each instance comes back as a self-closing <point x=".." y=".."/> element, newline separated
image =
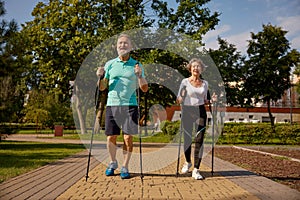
<point x="20" y="157"/>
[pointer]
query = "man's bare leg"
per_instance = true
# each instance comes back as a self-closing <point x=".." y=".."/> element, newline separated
<point x="112" y="146"/>
<point x="127" y="149"/>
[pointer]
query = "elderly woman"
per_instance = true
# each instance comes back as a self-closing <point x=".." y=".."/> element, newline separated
<point x="192" y="96"/>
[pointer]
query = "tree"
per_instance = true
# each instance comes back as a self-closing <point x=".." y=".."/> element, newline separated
<point x="64" y="32"/>
<point x="269" y="65"/>
<point x="296" y="69"/>
<point x="190" y="17"/>
<point x="44" y="109"/>
<point x="230" y="63"/>
<point x="11" y="97"/>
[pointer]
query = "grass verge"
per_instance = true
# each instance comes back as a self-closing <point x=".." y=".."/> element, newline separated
<point x="20" y="157"/>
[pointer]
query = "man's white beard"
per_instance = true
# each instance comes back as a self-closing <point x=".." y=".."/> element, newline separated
<point x="123" y="53"/>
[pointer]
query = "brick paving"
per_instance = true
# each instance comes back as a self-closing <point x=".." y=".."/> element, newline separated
<point x="65" y="179"/>
<point x="161" y="184"/>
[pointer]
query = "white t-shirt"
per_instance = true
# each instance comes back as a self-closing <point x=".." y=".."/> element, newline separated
<point x="195" y="95"/>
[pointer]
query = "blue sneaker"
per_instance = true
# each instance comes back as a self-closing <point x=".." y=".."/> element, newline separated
<point x="124" y="173"/>
<point x="111" y="168"/>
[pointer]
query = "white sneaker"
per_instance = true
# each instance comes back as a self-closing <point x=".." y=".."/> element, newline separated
<point x="186" y="167"/>
<point x="196" y="175"/>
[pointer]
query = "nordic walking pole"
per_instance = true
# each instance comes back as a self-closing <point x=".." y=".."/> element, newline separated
<point x="92" y="137"/>
<point x="212" y="142"/>
<point x="101" y="108"/>
<point x="139" y="130"/>
<point x="213" y="113"/>
<point x="179" y="146"/>
<point x="183" y="95"/>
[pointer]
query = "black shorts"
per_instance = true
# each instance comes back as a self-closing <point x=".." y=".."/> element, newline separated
<point x="121" y="117"/>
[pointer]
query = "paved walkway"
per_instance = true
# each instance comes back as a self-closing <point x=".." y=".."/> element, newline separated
<point x="65" y="179"/>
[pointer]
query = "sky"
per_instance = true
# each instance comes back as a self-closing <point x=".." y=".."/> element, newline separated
<point x="238" y="19"/>
<point x="241" y="17"/>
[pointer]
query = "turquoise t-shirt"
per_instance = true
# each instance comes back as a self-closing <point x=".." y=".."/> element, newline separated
<point x="122" y="82"/>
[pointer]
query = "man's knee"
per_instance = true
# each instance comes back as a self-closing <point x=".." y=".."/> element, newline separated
<point x="112" y="138"/>
<point x="127" y="139"/>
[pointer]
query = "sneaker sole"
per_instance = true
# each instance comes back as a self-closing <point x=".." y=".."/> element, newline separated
<point x="125" y="177"/>
<point x="196" y="178"/>
<point x="185" y="172"/>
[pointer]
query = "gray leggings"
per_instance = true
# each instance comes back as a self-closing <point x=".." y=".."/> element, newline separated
<point x="191" y="115"/>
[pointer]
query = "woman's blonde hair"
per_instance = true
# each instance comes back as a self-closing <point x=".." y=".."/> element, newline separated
<point x="198" y="60"/>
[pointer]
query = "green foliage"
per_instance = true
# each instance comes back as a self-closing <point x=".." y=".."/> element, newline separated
<point x="268" y="67"/>
<point x="230" y="62"/>
<point x="265" y="75"/>
<point x="267" y="71"/>
<point x="190" y="17"/>
<point x="50" y="49"/>
<point x="288" y="134"/>
<point x="261" y="133"/>
<point x="247" y="133"/>
<point x="44" y="108"/>
<point x="63" y="33"/>
<point x="170" y="128"/>
<point x="8" y="129"/>
<point x="11" y="97"/>
<point x="296" y="69"/>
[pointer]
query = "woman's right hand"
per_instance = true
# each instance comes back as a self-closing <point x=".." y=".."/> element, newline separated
<point x="179" y="100"/>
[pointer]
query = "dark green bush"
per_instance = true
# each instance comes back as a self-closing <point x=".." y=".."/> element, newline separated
<point x="248" y="133"/>
<point x="288" y="134"/>
<point x="170" y="128"/>
<point x="8" y="129"/>
<point x="260" y="133"/>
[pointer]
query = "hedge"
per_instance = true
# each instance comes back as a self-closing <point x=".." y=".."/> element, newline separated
<point x="248" y="133"/>
<point x="260" y="133"/>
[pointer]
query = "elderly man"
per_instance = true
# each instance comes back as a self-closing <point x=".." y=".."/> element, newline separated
<point x="121" y="75"/>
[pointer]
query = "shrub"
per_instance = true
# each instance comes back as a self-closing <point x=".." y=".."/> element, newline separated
<point x="9" y="128"/>
<point x="249" y="133"/>
<point x="288" y="134"/>
<point x="170" y="128"/>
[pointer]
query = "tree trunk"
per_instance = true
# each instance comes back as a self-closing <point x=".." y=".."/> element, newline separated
<point x="271" y="116"/>
<point x="37" y="123"/>
<point x="79" y="113"/>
